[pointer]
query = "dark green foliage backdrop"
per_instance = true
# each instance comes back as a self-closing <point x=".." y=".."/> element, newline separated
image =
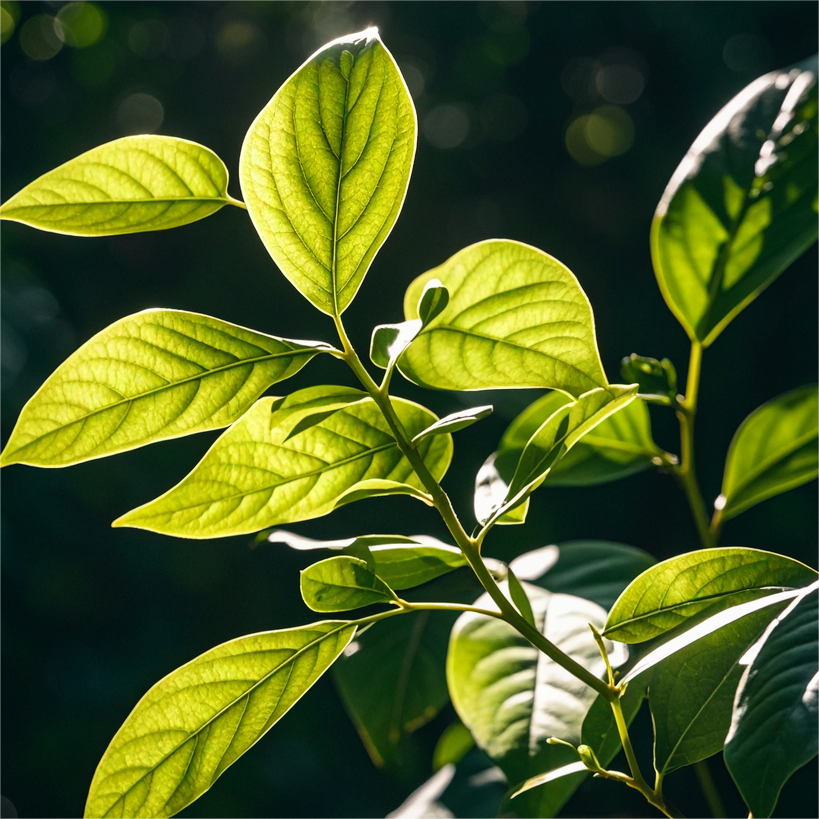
<point x="93" y="616"/>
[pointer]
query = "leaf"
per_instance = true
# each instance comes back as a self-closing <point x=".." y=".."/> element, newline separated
<point x="773" y="450"/>
<point x="201" y="718"/>
<point x="455" y="422"/>
<point x="390" y="340"/>
<point x="256" y="475"/>
<point x="657" y="379"/>
<point x="773" y="731"/>
<point x="699" y="584"/>
<point x="325" y="167"/>
<point x="155" y="375"/>
<point x="691" y="692"/>
<point x="596" y="570"/>
<point x="513" y="698"/>
<point x="452" y="745"/>
<point x="392" y="680"/>
<point x="433" y="301"/>
<point x="559" y="433"/>
<point x="516" y="317"/>
<point x="130" y="185"/>
<point x="519" y="597"/>
<point x="342" y="583"/>
<point x="742" y="204"/>
<point x="619" y="446"/>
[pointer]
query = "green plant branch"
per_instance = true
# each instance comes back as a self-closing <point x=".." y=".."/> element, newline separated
<point x="465" y="543"/>
<point x="709" y="789"/>
<point x="236" y="202"/>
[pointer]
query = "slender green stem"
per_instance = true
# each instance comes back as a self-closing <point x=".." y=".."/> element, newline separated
<point x="631" y="758"/>
<point x="236" y="202"/>
<point x="685" y="472"/>
<point x="407" y="606"/>
<point x="709" y="789"/>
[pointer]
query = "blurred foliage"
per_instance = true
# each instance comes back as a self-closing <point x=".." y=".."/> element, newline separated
<point x="556" y="124"/>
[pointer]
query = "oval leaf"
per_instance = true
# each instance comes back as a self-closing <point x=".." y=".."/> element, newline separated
<point x="201" y="718"/>
<point x="325" y="167"/>
<point x="392" y="680"/>
<point x="130" y="185"/>
<point x="256" y="475"/>
<point x="773" y="450"/>
<point x="619" y="446"/>
<point x="342" y="583"/>
<point x="776" y="707"/>
<point x="454" y="422"/>
<point x="516" y="317"/>
<point x="742" y="204"/>
<point x="699" y="584"/>
<point x="158" y="374"/>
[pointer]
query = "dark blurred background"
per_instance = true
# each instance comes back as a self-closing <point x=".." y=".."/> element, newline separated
<point x="557" y="124"/>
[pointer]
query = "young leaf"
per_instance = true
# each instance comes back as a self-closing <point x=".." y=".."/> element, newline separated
<point x="392" y="680"/>
<point x="455" y="742"/>
<point x="773" y="731"/>
<point x="342" y="583"/>
<point x="513" y="698"/>
<point x="454" y="422"/>
<point x="256" y="475"/>
<point x="742" y="204"/>
<point x="155" y="375"/>
<point x="516" y="317"/>
<point x="698" y="584"/>
<point x="773" y="450"/>
<point x="519" y="597"/>
<point x="691" y="692"/>
<point x="201" y="718"/>
<point x="390" y="340"/>
<point x="657" y="379"/>
<point x="130" y="185"/>
<point x="433" y="301"/>
<point x="593" y="569"/>
<point x="619" y="446"/>
<point x="325" y="167"/>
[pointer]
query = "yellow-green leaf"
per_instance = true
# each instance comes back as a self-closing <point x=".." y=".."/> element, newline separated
<point x="325" y="167"/>
<point x="155" y="375"/>
<point x="196" y="722"/>
<point x="516" y="317"/>
<point x="130" y="185"/>
<point x="342" y="583"/>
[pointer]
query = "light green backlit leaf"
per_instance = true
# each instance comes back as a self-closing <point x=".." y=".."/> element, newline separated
<point x="742" y="204"/>
<point x="699" y="584"/>
<point x="154" y="375"/>
<point x="342" y="583"/>
<point x="454" y="422"/>
<point x="619" y="446"/>
<point x="773" y="450"/>
<point x="516" y="317"/>
<point x="201" y="718"/>
<point x="774" y="726"/>
<point x="130" y="185"/>
<point x="326" y="164"/>
<point x="256" y="475"/>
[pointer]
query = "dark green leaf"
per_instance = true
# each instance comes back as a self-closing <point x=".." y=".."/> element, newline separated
<point x="256" y="475"/>
<point x="155" y="375"/>
<point x="773" y="450"/>
<point x="196" y="722"/>
<point x="454" y="422"/>
<point x="773" y="732"/>
<point x="130" y="185"/>
<point x="594" y="569"/>
<point x="392" y="680"/>
<point x="655" y="378"/>
<point x="516" y="317"/>
<point x="342" y="583"/>
<point x="519" y="597"/>
<point x="699" y="584"/>
<point x="742" y="204"/>
<point x="434" y="299"/>
<point x="326" y="164"/>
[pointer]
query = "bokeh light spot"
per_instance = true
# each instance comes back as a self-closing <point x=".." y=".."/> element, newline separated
<point x="38" y="38"/>
<point x="240" y="42"/>
<point x="148" y="38"/>
<point x="747" y="54"/>
<point x="9" y="15"/>
<point x="80" y="25"/>
<point x="140" y="114"/>
<point x="620" y="84"/>
<point x="446" y="126"/>
<point x="610" y="130"/>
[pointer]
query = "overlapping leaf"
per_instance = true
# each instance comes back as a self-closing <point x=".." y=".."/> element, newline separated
<point x="699" y="584"/>
<point x="516" y="317"/>
<point x="325" y="167"/>
<point x="619" y="446"/>
<point x="201" y="718"/>
<point x="258" y="474"/>
<point x="742" y="204"/>
<point x="154" y="375"/>
<point x="130" y="185"/>
<point x="773" y="732"/>
<point x="342" y="583"/>
<point x="773" y="450"/>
